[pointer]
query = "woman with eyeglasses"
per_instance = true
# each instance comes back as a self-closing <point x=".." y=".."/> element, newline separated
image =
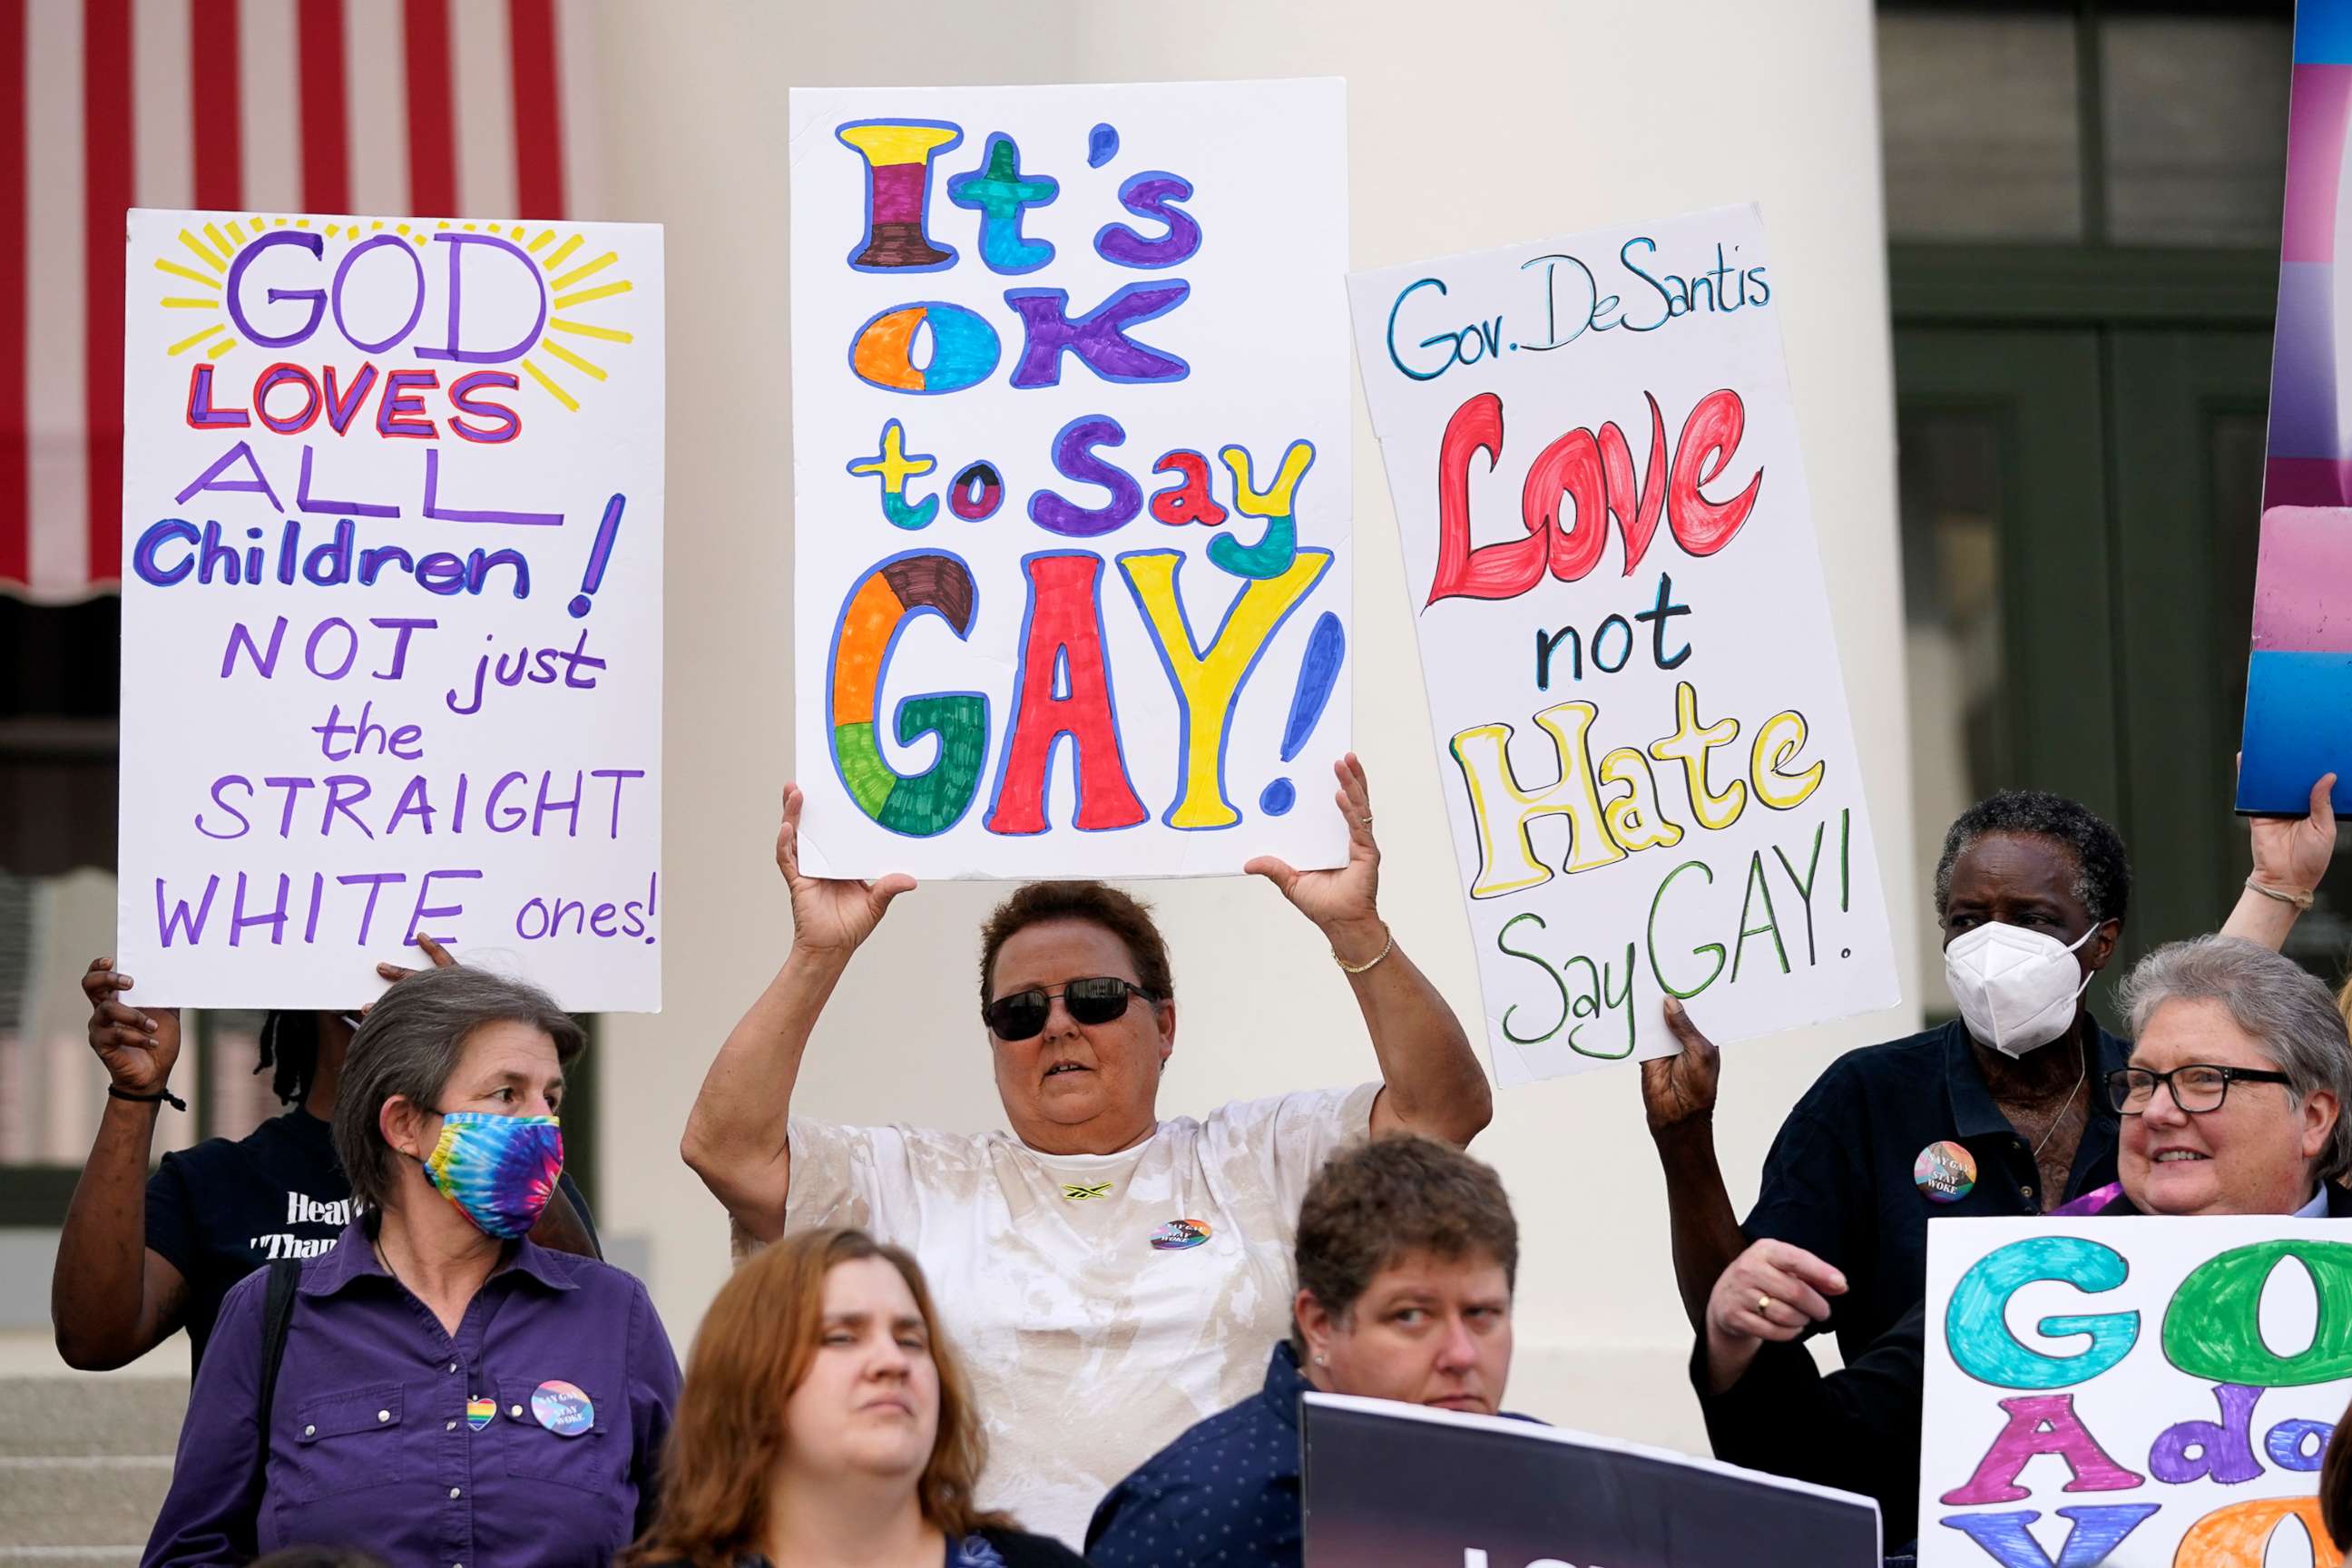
<point x="2232" y="1103"/>
<point x="1111" y="1277"/>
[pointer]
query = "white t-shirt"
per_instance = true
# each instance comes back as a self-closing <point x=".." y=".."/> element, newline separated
<point x="1093" y="1331"/>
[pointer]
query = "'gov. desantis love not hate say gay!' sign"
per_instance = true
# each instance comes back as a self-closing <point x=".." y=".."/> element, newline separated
<point x="1611" y="567"/>
<point x="391" y="605"/>
<point x="1071" y="477"/>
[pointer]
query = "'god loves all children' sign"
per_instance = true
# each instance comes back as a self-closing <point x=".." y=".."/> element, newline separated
<point x="1071" y="477"/>
<point x="2147" y="1393"/>
<point x="390" y="605"/>
<point x="1612" y="571"/>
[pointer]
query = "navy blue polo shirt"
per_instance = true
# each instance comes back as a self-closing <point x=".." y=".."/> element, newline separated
<point x="1839" y="1181"/>
<point x="1225" y="1492"/>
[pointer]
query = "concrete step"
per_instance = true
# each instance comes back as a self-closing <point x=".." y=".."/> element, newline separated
<point x="102" y="1504"/>
<point x="85" y="1460"/>
<point x="91" y="1415"/>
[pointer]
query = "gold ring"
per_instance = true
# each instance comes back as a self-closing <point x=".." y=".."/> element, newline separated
<point x="1763" y="1306"/>
<point x="1366" y="819"/>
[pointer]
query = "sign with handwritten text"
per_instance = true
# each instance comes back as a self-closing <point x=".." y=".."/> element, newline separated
<point x="1071" y="511"/>
<point x="391" y="545"/>
<point x="2144" y="1393"/>
<point x="1611" y="563"/>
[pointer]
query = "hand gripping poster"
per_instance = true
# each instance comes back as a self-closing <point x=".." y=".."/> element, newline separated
<point x="1611" y="568"/>
<point x="1071" y="508"/>
<point x="391" y="545"/>
<point x="2139" y="1392"/>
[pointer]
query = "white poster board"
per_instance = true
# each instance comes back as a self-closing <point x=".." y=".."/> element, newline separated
<point x="1070" y="445"/>
<point x="2146" y="1393"/>
<point x="1610" y="559"/>
<point x="391" y="547"/>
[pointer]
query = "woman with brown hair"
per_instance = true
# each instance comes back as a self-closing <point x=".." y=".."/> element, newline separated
<point x="826" y="1424"/>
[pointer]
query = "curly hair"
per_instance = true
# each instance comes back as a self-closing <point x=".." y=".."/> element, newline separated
<point x="2103" y="876"/>
<point x="1372" y="1204"/>
<point x="753" y="1349"/>
<point x="1097" y="903"/>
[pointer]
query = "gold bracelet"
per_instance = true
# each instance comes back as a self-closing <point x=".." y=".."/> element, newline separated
<point x="2300" y="901"/>
<point x="1386" y="948"/>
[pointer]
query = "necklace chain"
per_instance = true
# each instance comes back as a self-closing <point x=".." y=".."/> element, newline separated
<point x="2065" y="1106"/>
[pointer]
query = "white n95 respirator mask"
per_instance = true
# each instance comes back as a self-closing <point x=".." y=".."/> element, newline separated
<point x="2016" y="988"/>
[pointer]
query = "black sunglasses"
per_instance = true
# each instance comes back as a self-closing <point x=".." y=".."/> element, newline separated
<point x="1096" y="1000"/>
<point x="2196" y="1089"/>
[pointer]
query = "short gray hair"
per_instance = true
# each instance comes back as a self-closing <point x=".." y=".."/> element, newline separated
<point x="2279" y="1004"/>
<point x="410" y="1044"/>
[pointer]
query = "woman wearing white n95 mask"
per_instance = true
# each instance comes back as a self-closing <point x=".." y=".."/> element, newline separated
<point x="1998" y="1112"/>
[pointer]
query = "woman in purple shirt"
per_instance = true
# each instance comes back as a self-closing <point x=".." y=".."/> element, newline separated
<point x="438" y="1388"/>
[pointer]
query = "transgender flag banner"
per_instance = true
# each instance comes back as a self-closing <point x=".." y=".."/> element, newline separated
<point x="2299" y="682"/>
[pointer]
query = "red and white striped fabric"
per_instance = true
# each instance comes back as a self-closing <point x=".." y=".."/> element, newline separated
<point x="383" y="108"/>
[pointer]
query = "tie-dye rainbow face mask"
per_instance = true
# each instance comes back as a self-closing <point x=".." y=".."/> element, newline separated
<point x="499" y="1170"/>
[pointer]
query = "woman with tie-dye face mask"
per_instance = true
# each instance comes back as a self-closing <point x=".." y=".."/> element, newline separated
<point x="442" y="1389"/>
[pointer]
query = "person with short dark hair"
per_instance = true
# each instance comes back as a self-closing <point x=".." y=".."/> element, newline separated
<point x="1105" y="1272"/>
<point x="436" y="1387"/>
<point x="1406" y="1258"/>
<point x="1996" y="1112"/>
<point x="143" y="1255"/>
<point x="827" y="1417"/>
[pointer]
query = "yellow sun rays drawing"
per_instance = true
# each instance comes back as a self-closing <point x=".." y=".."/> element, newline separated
<point x="570" y="286"/>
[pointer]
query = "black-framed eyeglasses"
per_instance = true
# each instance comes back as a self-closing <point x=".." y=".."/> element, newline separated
<point x="2196" y="1089"/>
<point x="1097" y="999"/>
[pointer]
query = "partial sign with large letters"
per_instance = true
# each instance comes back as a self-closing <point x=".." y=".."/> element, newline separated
<point x="391" y="545"/>
<point x="1071" y="509"/>
<point x="1389" y="1485"/>
<point x="2141" y="1391"/>
<point x="1610" y="562"/>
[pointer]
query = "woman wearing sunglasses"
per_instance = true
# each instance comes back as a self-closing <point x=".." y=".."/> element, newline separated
<point x="2231" y="1104"/>
<point x="1111" y="1277"/>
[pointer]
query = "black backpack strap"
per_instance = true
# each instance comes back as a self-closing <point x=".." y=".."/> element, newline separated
<point x="277" y="1314"/>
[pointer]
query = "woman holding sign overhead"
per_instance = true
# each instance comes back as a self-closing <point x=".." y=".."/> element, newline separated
<point x="1112" y="1277"/>
<point x="1998" y="1112"/>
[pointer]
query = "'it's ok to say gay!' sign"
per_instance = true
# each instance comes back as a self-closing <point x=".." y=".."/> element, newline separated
<point x="1071" y="477"/>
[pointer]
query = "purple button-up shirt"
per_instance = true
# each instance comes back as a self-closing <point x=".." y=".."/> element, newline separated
<point x="371" y="1442"/>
